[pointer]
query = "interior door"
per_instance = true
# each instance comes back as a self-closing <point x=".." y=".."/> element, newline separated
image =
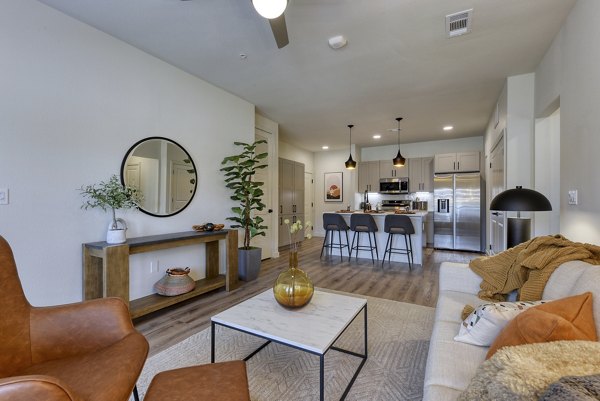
<point x="265" y="175"/>
<point x="182" y="186"/>
<point x="497" y="218"/>
<point x="309" y="214"/>
<point x="142" y="173"/>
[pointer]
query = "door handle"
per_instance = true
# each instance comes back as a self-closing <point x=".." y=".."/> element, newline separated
<point x="454" y="166"/>
<point x="280" y="208"/>
<point x="458" y="166"/>
<point x="281" y="221"/>
<point x="270" y="210"/>
<point x="495" y="213"/>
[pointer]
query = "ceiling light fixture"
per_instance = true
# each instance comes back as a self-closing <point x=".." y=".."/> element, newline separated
<point x="399" y="160"/>
<point x="376" y="136"/>
<point x="270" y="9"/>
<point x="350" y="163"/>
<point x="337" y="42"/>
<point x="448" y="128"/>
<point x="325" y="147"/>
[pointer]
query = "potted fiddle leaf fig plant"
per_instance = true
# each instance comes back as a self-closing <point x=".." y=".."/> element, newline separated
<point x="239" y="177"/>
<point x="112" y="195"/>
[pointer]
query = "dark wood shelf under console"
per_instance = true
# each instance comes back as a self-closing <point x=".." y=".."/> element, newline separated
<point x="106" y="267"/>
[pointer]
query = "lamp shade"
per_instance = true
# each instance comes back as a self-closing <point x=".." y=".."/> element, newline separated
<point x="350" y="163"/>
<point x="399" y="160"/>
<point x="270" y="9"/>
<point x="520" y="199"/>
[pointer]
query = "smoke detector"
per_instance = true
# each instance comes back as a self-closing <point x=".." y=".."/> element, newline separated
<point x="337" y="42"/>
<point x="459" y="23"/>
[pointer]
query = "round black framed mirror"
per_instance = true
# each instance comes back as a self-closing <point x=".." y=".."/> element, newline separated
<point x="164" y="172"/>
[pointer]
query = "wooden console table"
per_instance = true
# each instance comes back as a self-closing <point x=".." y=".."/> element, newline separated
<point x="106" y="267"/>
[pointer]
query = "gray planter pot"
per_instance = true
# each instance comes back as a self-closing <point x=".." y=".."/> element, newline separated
<point x="248" y="263"/>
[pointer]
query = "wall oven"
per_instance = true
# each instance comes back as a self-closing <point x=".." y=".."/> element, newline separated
<point x="393" y="185"/>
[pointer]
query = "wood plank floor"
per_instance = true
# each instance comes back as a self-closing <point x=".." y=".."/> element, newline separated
<point x="394" y="281"/>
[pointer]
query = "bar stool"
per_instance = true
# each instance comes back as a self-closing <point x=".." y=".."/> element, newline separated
<point x="398" y="224"/>
<point x="335" y="222"/>
<point x="363" y="223"/>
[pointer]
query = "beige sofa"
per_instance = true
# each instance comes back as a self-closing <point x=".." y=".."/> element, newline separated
<point x="452" y="364"/>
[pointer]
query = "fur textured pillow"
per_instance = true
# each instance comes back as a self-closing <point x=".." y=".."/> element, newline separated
<point x="573" y="388"/>
<point x="522" y="373"/>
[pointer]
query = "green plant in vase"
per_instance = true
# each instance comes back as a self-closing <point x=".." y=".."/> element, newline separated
<point x="293" y="288"/>
<point x="239" y="173"/>
<point x="111" y="195"/>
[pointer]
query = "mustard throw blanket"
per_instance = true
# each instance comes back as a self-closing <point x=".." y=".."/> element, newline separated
<point x="528" y="266"/>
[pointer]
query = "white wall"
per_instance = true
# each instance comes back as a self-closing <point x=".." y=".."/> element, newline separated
<point x="73" y="101"/>
<point x="519" y="131"/>
<point x="422" y="149"/>
<point x="547" y="172"/>
<point x="329" y="162"/>
<point x="291" y="152"/>
<point x="571" y="70"/>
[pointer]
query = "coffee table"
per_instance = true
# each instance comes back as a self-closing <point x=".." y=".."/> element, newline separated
<point x="313" y="328"/>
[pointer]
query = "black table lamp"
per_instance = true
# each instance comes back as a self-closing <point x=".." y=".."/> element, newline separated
<point x="519" y="200"/>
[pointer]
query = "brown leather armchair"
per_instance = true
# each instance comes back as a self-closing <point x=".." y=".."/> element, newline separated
<point x="87" y="351"/>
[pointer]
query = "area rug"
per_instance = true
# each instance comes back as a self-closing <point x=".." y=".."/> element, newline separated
<point x="398" y="342"/>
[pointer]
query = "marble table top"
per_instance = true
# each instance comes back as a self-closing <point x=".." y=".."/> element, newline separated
<point x="313" y="327"/>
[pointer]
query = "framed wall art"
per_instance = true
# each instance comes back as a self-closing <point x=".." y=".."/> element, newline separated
<point x="334" y="187"/>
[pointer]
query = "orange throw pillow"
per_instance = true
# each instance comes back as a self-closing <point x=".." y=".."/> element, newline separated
<point x="568" y="318"/>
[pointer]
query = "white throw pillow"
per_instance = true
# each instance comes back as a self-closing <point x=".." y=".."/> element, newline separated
<point x="487" y="321"/>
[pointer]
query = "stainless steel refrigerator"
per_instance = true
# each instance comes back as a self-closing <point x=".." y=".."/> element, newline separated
<point x="457" y="211"/>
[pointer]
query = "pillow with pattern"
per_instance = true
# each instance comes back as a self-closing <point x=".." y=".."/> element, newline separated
<point x="484" y="324"/>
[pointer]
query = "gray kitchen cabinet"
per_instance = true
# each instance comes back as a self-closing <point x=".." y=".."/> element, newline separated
<point x="456" y="162"/>
<point x="368" y="176"/>
<point x="291" y="196"/>
<point x="421" y="174"/>
<point x="284" y="231"/>
<point x="388" y="170"/>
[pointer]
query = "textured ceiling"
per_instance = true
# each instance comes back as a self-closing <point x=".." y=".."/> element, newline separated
<point x="398" y="61"/>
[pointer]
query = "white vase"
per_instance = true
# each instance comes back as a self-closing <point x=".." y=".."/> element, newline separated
<point x="117" y="235"/>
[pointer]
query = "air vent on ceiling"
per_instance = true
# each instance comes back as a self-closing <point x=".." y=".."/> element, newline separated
<point x="458" y="23"/>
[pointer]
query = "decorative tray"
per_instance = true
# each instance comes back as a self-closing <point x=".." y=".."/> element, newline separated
<point x="208" y="227"/>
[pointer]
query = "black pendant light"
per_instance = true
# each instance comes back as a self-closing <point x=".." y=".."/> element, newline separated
<point x="350" y="163"/>
<point x="399" y="160"/>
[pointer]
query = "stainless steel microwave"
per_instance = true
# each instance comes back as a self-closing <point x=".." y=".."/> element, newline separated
<point x="393" y="185"/>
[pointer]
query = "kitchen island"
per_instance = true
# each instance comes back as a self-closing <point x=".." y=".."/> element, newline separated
<point x="417" y="218"/>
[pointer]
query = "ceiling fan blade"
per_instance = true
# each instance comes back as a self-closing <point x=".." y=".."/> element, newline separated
<point x="279" y="31"/>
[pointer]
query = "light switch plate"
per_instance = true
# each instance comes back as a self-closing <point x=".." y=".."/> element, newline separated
<point x="3" y="196"/>
<point x="573" y="197"/>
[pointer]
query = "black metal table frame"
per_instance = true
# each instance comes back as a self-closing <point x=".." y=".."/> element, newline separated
<point x="321" y="356"/>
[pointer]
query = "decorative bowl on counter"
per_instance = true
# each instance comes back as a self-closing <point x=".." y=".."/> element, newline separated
<point x="208" y="227"/>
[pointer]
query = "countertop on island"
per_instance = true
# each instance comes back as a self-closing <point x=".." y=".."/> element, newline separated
<point x="415" y="213"/>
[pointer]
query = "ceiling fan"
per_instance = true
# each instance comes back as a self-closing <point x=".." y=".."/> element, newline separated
<point x="273" y="11"/>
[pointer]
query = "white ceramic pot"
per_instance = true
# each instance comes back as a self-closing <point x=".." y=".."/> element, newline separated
<point x="117" y="235"/>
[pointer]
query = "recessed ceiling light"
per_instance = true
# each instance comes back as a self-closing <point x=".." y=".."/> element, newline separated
<point x="448" y="128"/>
<point x="325" y="147"/>
<point x="376" y="136"/>
<point x="337" y="42"/>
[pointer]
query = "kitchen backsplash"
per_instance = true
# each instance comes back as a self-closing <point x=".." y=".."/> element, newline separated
<point x="375" y="197"/>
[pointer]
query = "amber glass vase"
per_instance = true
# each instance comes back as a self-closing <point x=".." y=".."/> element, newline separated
<point x="293" y="288"/>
